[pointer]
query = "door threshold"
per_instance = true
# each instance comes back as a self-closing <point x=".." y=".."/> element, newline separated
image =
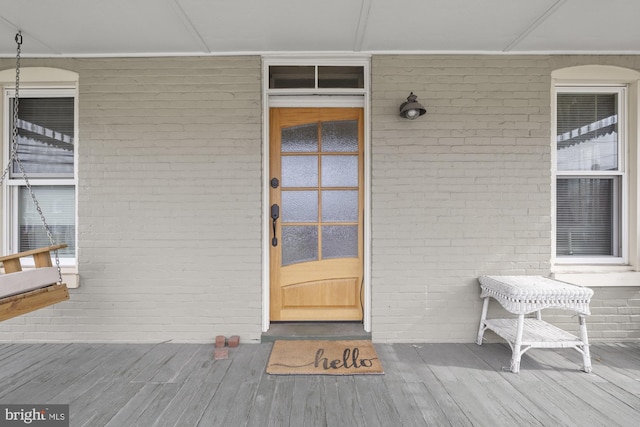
<point x="332" y="331"/>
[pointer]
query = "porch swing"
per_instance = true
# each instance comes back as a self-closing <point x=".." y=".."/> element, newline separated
<point x="24" y="291"/>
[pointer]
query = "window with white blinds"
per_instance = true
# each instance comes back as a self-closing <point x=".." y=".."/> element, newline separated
<point x="589" y="173"/>
<point x="58" y="205"/>
<point x="45" y="137"/>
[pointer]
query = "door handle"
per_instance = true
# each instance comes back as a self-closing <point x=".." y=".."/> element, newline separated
<point x="275" y="214"/>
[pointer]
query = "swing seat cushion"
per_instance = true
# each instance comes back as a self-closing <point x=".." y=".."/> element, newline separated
<point x="27" y="280"/>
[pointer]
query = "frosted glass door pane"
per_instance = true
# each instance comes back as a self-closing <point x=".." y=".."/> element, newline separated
<point x="339" y="171"/>
<point x="303" y="138"/>
<point x="299" y="244"/>
<point x="340" y="136"/>
<point x="340" y="206"/>
<point x="339" y="241"/>
<point x="299" y="171"/>
<point x="299" y="206"/>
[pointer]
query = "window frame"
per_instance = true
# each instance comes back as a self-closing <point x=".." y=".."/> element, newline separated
<point x="11" y="186"/>
<point x="620" y="207"/>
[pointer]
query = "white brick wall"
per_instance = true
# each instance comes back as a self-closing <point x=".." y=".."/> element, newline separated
<point x="169" y="203"/>
<point x="170" y="198"/>
<point x="465" y="191"/>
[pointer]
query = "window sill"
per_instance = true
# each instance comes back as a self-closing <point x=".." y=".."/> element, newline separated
<point x="71" y="278"/>
<point x="605" y="278"/>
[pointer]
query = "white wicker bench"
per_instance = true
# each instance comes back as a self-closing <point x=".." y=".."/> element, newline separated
<point x="523" y="295"/>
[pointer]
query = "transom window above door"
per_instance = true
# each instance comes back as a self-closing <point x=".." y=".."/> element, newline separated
<point x="316" y="77"/>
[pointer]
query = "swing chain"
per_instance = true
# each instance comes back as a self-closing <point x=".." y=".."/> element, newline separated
<point x="14" y="158"/>
<point x="14" y="130"/>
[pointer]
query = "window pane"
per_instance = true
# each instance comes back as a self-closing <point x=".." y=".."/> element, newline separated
<point x="340" y="206"/>
<point x="587" y="131"/>
<point x="304" y="77"/>
<point x="299" y="171"/>
<point x="341" y="77"/>
<point x="299" y="206"/>
<point x="585" y="217"/>
<point x="45" y="136"/>
<point x="340" y="136"/>
<point x="340" y="171"/>
<point x="303" y="138"/>
<point x="292" y="77"/>
<point x="339" y="241"/>
<point x="299" y="244"/>
<point x="58" y="206"/>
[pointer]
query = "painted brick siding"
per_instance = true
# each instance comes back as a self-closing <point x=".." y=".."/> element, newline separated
<point x="170" y="185"/>
<point x="465" y="191"/>
<point x="169" y="203"/>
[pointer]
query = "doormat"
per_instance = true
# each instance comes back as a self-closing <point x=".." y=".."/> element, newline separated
<point x="316" y="357"/>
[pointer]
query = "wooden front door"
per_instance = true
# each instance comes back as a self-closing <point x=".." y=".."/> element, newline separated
<point x="316" y="200"/>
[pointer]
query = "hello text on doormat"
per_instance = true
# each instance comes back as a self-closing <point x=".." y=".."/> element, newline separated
<point x="314" y="357"/>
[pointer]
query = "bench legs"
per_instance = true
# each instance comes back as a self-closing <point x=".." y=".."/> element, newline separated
<point x="586" y="355"/>
<point x="517" y="346"/>
<point x="483" y="326"/>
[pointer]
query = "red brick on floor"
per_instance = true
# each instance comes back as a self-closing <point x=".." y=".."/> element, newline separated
<point x="220" y="341"/>
<point x="221" y="353"/>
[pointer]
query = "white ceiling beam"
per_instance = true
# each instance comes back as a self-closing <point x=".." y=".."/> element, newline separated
<point x="362" y="25"/>
<point x="534" y="25"/>
<point x="175" y="5"/>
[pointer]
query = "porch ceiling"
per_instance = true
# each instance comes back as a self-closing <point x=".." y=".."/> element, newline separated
<point x="204" y="27"/>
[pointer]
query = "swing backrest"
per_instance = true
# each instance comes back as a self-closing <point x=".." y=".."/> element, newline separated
<point x="16" y="281"/>
<point x="41" y="258"/>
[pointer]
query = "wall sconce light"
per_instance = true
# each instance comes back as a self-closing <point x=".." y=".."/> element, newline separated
<point x="412" y="109"/>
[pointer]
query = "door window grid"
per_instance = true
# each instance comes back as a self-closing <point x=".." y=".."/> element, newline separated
<point x="327" y="233"/>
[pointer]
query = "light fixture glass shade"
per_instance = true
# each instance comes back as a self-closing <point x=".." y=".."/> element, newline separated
<point x="412" y="114"/>
<point x="412" y="109"/>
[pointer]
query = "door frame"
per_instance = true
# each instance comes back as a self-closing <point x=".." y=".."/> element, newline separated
<point x="358" y="98"/>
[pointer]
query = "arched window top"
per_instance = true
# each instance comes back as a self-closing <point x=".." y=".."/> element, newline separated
<point x="596" y="73"/>
<point x="35" y="75"/>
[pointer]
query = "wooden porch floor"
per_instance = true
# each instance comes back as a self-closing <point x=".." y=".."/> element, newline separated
<point x="424" y="385"/>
